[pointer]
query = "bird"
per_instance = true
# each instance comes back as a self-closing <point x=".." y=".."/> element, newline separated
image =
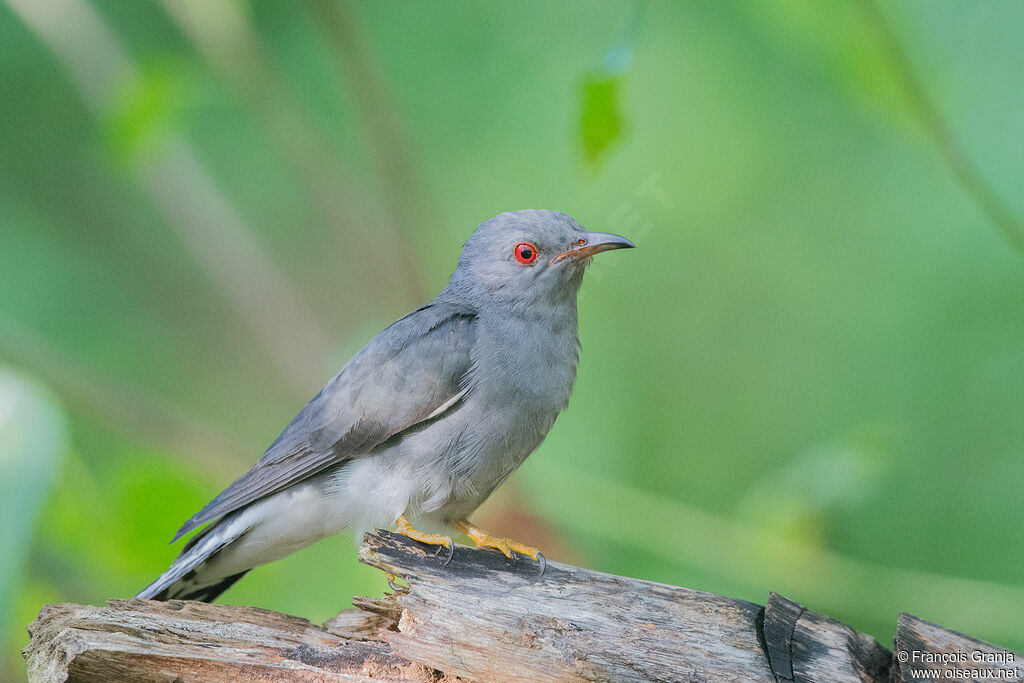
<point x="423" y="423"/>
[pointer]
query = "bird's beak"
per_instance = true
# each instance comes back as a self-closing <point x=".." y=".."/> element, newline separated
<point x="595" y="243"/>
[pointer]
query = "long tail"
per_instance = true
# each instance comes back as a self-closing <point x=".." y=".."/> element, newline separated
<point x="184" y="579"/>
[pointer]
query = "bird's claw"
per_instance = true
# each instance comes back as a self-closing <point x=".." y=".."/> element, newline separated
<point x="391" y="583"/>
<point x="506" y="546"/>
<point x="451" y="554"/>
<point x="514" y="556"/>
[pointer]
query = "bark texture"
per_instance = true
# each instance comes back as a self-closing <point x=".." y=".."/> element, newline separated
<point x="487" y="618"/>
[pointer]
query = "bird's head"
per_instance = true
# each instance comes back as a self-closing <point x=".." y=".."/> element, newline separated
<point x="528" y="256"/>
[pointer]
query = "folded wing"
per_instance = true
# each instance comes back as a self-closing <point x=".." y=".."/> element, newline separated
<point x="410" y="372"/>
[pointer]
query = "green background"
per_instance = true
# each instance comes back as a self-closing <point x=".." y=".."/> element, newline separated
<point x="808" y="378"/>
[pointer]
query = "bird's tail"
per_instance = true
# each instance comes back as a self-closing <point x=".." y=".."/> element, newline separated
<point x="185" y="578"/>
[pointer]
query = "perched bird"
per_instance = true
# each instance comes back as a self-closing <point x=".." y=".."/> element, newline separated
<point x="424" y="422"/>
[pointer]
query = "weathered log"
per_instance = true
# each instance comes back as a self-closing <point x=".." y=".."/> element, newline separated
<point x="483" y="617"/>
<point x="927" y="652"/>
<point x="803" y="646"/>
<point x="499" y="620"/>
<point x="145" y="640"/>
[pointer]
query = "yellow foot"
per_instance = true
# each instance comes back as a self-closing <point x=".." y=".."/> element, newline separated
<point x="506" y="545"/>
<point x="403" y="527"/>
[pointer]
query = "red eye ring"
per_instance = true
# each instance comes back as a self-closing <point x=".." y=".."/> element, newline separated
<point x="525" y="253"/>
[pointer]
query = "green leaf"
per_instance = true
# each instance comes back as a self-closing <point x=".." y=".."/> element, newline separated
<point x="601" y="121"/>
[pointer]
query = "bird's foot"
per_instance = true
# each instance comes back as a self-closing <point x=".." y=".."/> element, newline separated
<point x="403" y="527"/>
<point x="507" y="546"/>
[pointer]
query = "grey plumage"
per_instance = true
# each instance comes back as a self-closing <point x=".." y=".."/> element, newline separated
<point x="425" y="421"/>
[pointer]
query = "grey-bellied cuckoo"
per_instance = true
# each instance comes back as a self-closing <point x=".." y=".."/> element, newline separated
<point x="424" y="422"/>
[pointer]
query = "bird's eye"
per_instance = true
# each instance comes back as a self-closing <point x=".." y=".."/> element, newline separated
<point x="581" y="241"/>
<point x="525" y="253"/>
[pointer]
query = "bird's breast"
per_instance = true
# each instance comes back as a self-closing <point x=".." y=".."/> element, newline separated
<point x="521" y="377"/>
<point x="528" y="361"/>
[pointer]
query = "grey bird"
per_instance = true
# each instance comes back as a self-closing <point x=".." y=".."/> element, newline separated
<point x="424" y="422"/>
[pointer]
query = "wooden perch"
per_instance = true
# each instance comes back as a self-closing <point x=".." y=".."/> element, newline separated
<point x="484" y="618"/>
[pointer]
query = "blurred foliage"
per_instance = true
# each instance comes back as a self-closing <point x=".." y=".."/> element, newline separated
<point x="32" y="443"/>
<point x="601" y="117"/>
<point x="601" y="122"/>
<point x="809" y="378"/>
<point x="144" y="109"/>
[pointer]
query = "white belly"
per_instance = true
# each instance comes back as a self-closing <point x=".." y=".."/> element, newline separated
<point x="434" y="476"/>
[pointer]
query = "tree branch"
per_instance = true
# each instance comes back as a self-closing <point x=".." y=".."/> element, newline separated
<point x="485" y="618"/>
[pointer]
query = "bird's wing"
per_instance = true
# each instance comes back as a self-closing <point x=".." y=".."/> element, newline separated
<point x="411" y="372"/>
